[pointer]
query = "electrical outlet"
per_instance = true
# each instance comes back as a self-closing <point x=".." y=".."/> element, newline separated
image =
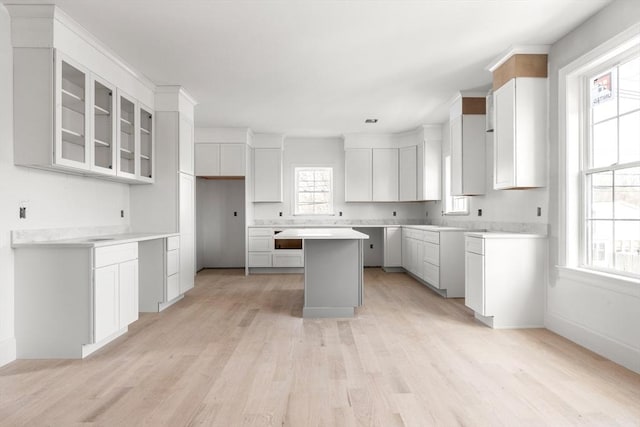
<point x="235" y="213"/>
<point x="371" y="246"/>
<point x="122" y="213"/>
<point x="479" y="212"/>
<point x="340" y="213"/>
<point x="394" y="213"/>
<point x="539" y="211"/>
<point x="279" y="213"/>
<point x="23" y="212"/>
<point x="426" y="213"/>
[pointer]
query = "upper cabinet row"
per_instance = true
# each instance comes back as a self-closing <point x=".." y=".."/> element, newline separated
<point x="90" y="127"/>
<point x="220" y="160"/>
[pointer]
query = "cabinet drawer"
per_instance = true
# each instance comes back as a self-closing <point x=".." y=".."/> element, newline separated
<point x="107" y="255"/>
<point x="265" y="232"/>
<point x="432" y="253"/>
<point x="288" y="260"/>
<point x="173" y="243"/>
<point x="474" y="245"/>
<point x="260" y="244"/>
<point x="412" y="233"/>
<point x="432" y="237"/>
<point x="172" y="262"/>
<point x="259" y="259"/>
<point x="431" y="274"/>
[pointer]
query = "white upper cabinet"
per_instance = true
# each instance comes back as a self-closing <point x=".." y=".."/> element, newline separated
<point x="429" y="153"/>
<point x="267" y="175"/>
<point x="467" y="130"/>
<point x="408" y="174"/>
<point x="385" y="174"/>
<point x="358" y="175"/>
<point x="146" y="149"/>
<point x="67" y="111"/>
<point x="213" y="159"/>
<point x="186" y="148"/>
<point x="520" y="109"/>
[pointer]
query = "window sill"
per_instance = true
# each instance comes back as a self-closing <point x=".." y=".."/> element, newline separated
<point x="620" y="284"/>
<point x="455" y="214"/>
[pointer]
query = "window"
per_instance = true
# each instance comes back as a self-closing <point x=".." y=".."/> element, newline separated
<point x="313" y="191"/>
<point x="611" y="173"/>
<point x="453" y="205"/>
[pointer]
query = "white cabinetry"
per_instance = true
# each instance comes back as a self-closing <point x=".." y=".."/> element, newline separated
<point x="385" y="175"/>
<point x="408" y="174"/>
<point x="267" y="175"/>
<point x="159" y="265"/>
<point x="412" y="251"/>
<point x="265" y="251"/>
<point x="505" y="278"/>
<point x="392" y="247"/>
<point x="467" y="130"/>
<point x="358" y="175"/>
<point x="520" y="133"/>
<point x="213" y="159"/>
<point x="77" y="300"/>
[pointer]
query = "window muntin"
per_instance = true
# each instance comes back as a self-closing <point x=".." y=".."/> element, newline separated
<point x="611" y="178"/>
<point x="313" y="191"/>
<point x="453" y="205"/>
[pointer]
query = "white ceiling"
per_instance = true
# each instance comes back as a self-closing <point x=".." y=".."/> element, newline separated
<point x="306" y="67"/>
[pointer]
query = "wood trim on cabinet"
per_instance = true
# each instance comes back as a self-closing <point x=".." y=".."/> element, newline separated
<point x="474" y="106"/>
<point x="520" y="65"/>
<point x="240" y="178"/>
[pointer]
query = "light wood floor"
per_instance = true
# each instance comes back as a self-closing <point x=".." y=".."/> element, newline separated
<point x="236" y="352"/>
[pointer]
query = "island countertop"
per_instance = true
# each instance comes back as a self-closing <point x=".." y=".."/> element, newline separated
<point x="320" y="234"/>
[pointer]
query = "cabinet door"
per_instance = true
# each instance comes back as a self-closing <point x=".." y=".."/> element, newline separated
<point x="267" y="175"/>
<point x="147" y="145"/>
<point x="456" y="156"/>
<point x="385" y="175"/>
<point x="106" y="318"/>
<point x="358" y="175"/>
<point x="128" y="292"/>
<point x="185" y="145"/>
<point x="405" y="251"/>
<point x="504" y="136"/>
<point x="104" y="129"/>
<point x="392" y="247"/>
<point x="128" y="142"/>
<point x="408" y="174"/>
<point x="72" y="114"/>
<point x="207" y="158"/>
<point x="474" y="282"/>
<point x="187" y="232"/>
<point x="232" y="160"/>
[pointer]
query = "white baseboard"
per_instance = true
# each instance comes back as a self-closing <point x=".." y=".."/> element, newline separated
<point x="616" y="351"/>
<point x="7" y="351"/>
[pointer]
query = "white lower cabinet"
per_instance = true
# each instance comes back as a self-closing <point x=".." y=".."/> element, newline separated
<point x="159" y="284"/>
<point x="505" y="278"/>
<point x="436" y="256"/>
<point x="262" y="251"/>
<point x="392" y="247"/>
<point x="289" y="259"/>
<point x="78" y="298"/>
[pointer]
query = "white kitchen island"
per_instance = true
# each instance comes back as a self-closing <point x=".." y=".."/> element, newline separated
<point x="333" y="270"/>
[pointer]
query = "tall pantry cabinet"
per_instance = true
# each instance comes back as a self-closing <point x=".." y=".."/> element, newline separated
<point x="169" y="205"/>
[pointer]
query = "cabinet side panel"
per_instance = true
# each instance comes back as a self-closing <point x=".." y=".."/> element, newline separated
<point x="53" y="302"/>
<point x="451" y="259"/>
<point x="151" y="264"/>
<point x="33" y="106"/>
<point x="530" y="132"/>
<point x="432" y="173"/>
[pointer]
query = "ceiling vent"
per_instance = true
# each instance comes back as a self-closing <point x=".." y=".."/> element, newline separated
<point x="371" y="121"/>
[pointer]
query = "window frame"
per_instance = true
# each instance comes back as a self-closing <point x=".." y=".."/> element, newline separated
<point x="574" y="128"/>
<point x="449" y="200"/>
<point x="296" y="168"/>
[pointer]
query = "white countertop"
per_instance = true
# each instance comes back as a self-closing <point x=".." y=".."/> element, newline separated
<point x="321" y="234"/>
<point x="435" y="228"/>
<point x="96" y="241"/>
<point x="503" y="235"/>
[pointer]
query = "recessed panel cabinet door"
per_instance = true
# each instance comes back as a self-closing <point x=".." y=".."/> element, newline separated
<point x="504" y="136"/>
<point x="408" y="174"/>
<point x="232" y="160"/>
<point x="207" y="159"/>
<point x="385" y="175"/>
<point x="474" y="282"/>
<point x="128" y="277"/>
<point x="106" y="318"/>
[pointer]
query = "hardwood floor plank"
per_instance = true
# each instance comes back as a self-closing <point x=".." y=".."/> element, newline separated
<point x="236" y="352"/>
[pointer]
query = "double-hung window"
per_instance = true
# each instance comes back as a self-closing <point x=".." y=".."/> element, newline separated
<point x="313" y="191"/>
<point x="610" y="172"/>
<point x="453" y="205"/>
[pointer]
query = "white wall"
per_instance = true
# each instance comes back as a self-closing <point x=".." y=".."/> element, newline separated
<point x="502" y="210"/>
<point x="329" y="152"/>
<point x="598" y="314"/>
<point x="54" y="200"/>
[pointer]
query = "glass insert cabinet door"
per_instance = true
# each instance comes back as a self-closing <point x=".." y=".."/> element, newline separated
<point x="72" y="111"/>
<point x="104" y="126"/>
<point x="146" y="143"/>
<point x="127" y="134"/>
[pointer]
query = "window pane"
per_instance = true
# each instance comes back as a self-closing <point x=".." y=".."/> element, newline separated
<point x="600" y="241"/>
<point x="630" y="138"/>
<point x="627" y="246"/>
<point x="601" y="192"/>
<point x="603" y="96"/>
<point x="604" y="150"/>
<point x="629" y="86"/>
<point x="627" y="193"/>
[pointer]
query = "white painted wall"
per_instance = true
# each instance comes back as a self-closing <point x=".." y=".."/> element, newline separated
<point x="221" y="236"/>
<point x="329" y="152"/>
<point x="509" y="210"/>
<point x="54" y="200"/>
<point x="599" y="314"/>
